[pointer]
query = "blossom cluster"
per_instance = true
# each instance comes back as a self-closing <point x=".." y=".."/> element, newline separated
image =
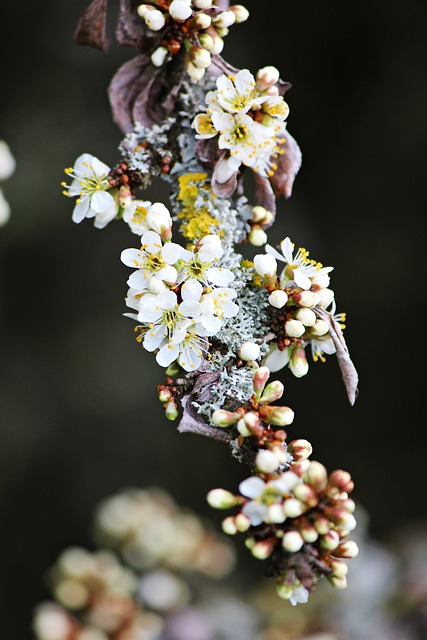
<point x="217" y="322"/>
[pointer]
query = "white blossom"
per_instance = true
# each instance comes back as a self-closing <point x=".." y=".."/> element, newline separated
<point x="299" y="268"/>
<point x="152" y="259"/>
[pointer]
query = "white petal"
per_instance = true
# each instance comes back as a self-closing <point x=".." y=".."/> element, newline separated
<point x="211" y="324"/>
<point x="139" y="280"/>
<point x="272" y="251"/>
<point x="191" y="290"/>
<point x="190" y="308"/>
<point x="167" y="354"/>
<point x="167" y="300"/>
<point x="191" y="357"/>
<point x="255" y="512"/>
<point x="154" y="337"/>
<point x="171" y="252"/>
<point x="219" y="277"/>
<point x="287" y="249"/>
<point x="302" y="279"/>
<point x="277" y="359"/>
<point x="252" y="487"/>
<point x="133" y="258"/>
<point x="81" y="209"/>
<point x="101" y="202"/>
<point x="151" y="241"/>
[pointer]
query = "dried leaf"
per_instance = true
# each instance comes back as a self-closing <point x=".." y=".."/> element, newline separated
<point x="348" y="370"/>
<point x="288" y="165"/>
<point x="192" y="422"/>
<point x="264" y="195"/>
<point x="92" y="26"/>
<point x="130" y="26"/>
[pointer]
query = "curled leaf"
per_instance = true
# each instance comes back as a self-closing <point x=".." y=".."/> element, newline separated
<point x="130" y="26"/>
<point x="288" y="165"/>
<point x="348" y="370"/>
<point x="92" y="26"/>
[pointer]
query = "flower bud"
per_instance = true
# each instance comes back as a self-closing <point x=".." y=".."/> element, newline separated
<point x="262" y="549"/>
<point x="306" y="494"/>
<point x="223" y="418"/>
<point x="229" y="526"/>
<point x="124" y="197"/>
<point x="266" y="77"/>
<point x="346" y="549"/>
<point x="218" y="44"/>
<point x="280" y="451"/>
<point x="300" y="449"/>
<point x="284" y="591"/>
<point x="308" y="532"/>
<point x="202" y="4"/>
<point x="243" y="429"/>
<point x="240" y="12"/>
<point x="165" y="395"/>
<point x="221" y="499"/>
<point x="257" y="236"/>
<point x="266" y="461"/>
<point x="143" y="9"/>
<point x="242" y="522"/>
<point x="200" y="57"/>
<point x="258" y="213"/>
<point x="168" y="274"/>
<point x="154" y="20"/>
<point x="306" y="298"/>
<point x="253" y="423"/>
<point x="294" y="328"/>
<point x="249" y="351"/>
<point x="292" y="541"/>
<point x="171" y="410"/>
<point x="224" y="19"/>
<point x="202" y="21"/>
<point x="316" y="476"/>
<point x="159" y="56"/>
<point x="319" y="328"/>
<point x="180" y="10"/>
<point x="293" y="508"/>
<point x="339" y="568"/>
<point x="272" y="392"/>
<point x="342" y="480"/>
<point x="325" y="297"/>
<point x="206" y="41"/>
<point x="306" y="316"/>
<point x="159" y="220"/>
<point x="278" y="298"/>
<point x="339" y="582"/>
<point x="322" y="280"/>
<point x="329" y="541"/>
<point x="195" y="73"/>
<point x="322" y="525"/>
<point x="342" y="519"/>
<point x="260" y="378"/>
<point x="348" y="504"/>
<point x="265" y="265"/>
<point x="155" y="285"/>
<point x="279" y="416"/>
<point x="249" y="543"/>
<point x="298" y="363"/>
<point x="300" y="467"/>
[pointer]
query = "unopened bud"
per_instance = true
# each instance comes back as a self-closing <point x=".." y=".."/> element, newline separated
<point x="164" y="395"/>
<point x="154" y="20"/>
<point x="206" y="40"/>
<point x="308" y="532"/>
<point x="343" y="519"/>
<point x="124" y="197"/>
<point x="224" y="19"/>
<point x="258" y="213"/>
<point x="265" y="265"/>
<point x="300" y="449"/>
<point x="342" y="480"/>
<point x="306" y="298"/>
<point x="306" y="494"/>
<point x="279" y="416"/>
<point x="347" y="549"/>
<point x="300" y="467"/>
<point x="339" y="582"/>
<point x="275" y="513"/>
<point x="322" y="525"/>
<point x="306" y="316"/>
<point x="320" y="328"/>
<point x="284" y="591"/>
<point x="330" y="540"/>
<point x="298" y="362"/>
<point x="249" y="542"/>
<point x="253" y="423"/>
<point x="249" y="351"/>
<point x="202" y="4"/>
<point x="262" y="549"/>
<point x="278" y="298"/>
<point x="348" y="504"/>
<point x="155" y="285"/>
<point x="242" y="522"/>
<point x="229" y="526"/>
<point x="316" y="476"/>
<point x="218" y="44"/>
<point x="221" y="499"/>
<point x="223" y="418"/>
<point x="159" y="220"/>
<point x="292" y="541"/>
<point x="200" y="57"/>
<point x="266" y="77"/>
<point x="257" y="236"/>
<point x="158" y="56"/>
<point x="293" y="508"/>
<point x="266" y="461"/>
<point x="260" y="378"/>
<point x="294" y="328"/>
<point x="240" y="12"/>
<point x="322" y="280"/>
<point x="339" y="568"/>
<point x="243" y="429"/>
<point x="171" y="410"/>
<point x="272" y="392"/>
<point x="195" y="73"/>
<point x="143" y="9"/>
<point x="325" y="297"/>
<point x="202" y="21"/>
<point x="180" y="10"/>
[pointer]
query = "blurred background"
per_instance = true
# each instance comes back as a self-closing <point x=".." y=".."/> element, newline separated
<point x="78" y="409"/>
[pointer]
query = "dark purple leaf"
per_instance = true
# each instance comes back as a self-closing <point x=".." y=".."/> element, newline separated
<point x="288" y="166"/>
<point x="192" y="422"/>
<point x="92" y="28"/>
<point x="130" y="26"/>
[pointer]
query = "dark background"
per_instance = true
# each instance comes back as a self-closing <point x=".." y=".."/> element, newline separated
<point x="78" y="411"/>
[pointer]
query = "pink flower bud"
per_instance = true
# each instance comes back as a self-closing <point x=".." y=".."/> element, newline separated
<point x="165" y="395"/>
<point x="293" y="508"/>
<point x="300" y="449"/>
<point x="260" y="378"/>
<point x="266" y="77"/>
<point x="342" y="480"/>
<point x="306" y="298"/>
<point x="339" y="568"/>
<point x="306" y="494"/>
<point x="330" y="541"/>
<point x="240" y="12"/>
<point x="316" y="476"/>
<point x="229" y="526"/>
<point x="292" y="541"/>
<point x="171" y="410"/>
<point x="339" y="582"/>
<point x="346" y="549"/>
<point x="298" y="363"/>
<point x="223" y="418"/>
<point x="262" y="549"/>
<point x="279" y="416"/>
<point x="272" y="392"/>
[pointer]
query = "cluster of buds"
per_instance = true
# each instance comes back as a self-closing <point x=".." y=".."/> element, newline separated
<point x="295" y="296"/>
<point x="262" y="446"/>
<point x="195" y="26"/>
<point x="261" y="219"/>
<point x="300" y="520"/>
